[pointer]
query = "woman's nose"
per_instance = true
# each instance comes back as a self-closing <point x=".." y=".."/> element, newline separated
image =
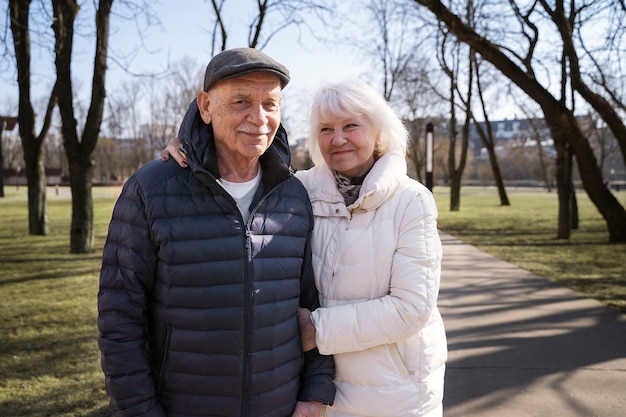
<point x="338" y="137"/>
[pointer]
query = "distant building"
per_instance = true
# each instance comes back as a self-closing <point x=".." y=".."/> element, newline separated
<point x="512" y="134"/>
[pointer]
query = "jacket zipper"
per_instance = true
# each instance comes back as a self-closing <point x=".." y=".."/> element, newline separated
<point x="249" y="302"/>
<point x="247" y="247"/>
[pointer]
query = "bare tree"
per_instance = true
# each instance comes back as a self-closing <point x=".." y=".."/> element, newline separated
<point x="561" y="120"/>
<point x="79" y="148"/>
<point x="450" y="57"/>
<point x="486" y="135"/>
<point x="393" y="42"/>
<point x="32" y="141"/>
<point x="570" y="22"/>
<point x="270" y="18"/>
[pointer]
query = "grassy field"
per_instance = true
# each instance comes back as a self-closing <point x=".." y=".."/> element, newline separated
<point x="49" y="360"/>
<point x="524" y="234"/>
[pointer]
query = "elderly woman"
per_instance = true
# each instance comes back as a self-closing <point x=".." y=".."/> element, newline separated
<point x="376" y="257"/>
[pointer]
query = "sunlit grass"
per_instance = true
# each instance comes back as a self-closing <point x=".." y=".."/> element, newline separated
<point x="524" y="233"/>
<point x="49" y="359"/>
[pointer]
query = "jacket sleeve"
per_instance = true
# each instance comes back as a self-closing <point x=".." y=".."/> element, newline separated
<point x="413" y="289"/>
<point x="319" y="370"/>
<point x="128" y="266"/>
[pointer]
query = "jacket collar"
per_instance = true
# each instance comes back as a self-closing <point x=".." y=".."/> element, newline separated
<point x="380" y="184"/>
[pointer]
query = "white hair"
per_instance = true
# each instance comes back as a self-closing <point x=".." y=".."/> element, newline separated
<point x="354" y="97"/>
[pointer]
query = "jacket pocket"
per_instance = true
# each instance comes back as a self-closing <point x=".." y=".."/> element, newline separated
<point x="162" y="360"/>
<point x="378" y="366"/>
<point x="397" y="360"/>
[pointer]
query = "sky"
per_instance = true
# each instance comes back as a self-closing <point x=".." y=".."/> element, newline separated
<point x="183" y="32"/>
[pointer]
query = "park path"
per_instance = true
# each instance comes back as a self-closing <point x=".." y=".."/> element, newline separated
<point x="522" y="346"/>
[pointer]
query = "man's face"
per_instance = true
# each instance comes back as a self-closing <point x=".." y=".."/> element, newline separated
<point x="244" y="112"/>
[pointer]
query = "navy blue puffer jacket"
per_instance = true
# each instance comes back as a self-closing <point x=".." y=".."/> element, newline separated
<point x="197" y="308"/>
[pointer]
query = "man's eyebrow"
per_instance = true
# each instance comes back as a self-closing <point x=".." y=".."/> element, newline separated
<point x="240" y="95"/>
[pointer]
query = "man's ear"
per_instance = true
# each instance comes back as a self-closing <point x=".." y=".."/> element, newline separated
<point x="203" y="101"/>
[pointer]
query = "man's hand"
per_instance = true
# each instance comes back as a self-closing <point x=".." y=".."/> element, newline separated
<point x="307" y="329"/>
<point x="173" y="150"/>
<point x="309" y="409"/>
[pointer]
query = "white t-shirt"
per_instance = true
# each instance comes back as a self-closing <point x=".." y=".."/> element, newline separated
<point x="243" y="192"/>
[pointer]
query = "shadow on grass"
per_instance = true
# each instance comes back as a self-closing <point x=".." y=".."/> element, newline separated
<point x="48" y="276"/>
<point x="46" y="374"/>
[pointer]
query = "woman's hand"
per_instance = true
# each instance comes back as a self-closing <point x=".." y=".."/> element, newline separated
<point x="173" y="149"/>
<point x="309" y="409"/>
<point x="307" y="329"/>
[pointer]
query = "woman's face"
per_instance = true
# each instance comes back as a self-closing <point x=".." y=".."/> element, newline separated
<point x="347" y="144"/>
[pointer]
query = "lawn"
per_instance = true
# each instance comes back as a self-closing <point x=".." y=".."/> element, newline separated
<point x="49" y="360"/>
<point x="524" y="233"/>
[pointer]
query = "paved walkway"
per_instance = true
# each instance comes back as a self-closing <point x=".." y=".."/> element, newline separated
<point x="521" y="346"/>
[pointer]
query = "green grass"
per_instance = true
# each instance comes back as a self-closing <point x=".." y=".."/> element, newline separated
<point x="524" y="233"/>
<point x="49" y="359"/>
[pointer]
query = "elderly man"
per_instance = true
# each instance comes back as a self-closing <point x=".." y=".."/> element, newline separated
<point x="204" y="269"/>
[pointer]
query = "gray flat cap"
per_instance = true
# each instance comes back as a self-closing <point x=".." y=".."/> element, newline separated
<point x="239" y="61"/>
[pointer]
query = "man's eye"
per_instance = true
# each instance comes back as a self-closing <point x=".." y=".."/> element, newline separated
<point x="240" y="104"/>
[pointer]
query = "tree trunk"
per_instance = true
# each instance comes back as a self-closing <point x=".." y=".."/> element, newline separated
<point x="563" y="187"/>
<point x="573" y="202"/>
<point x="455" y="192"/>
<point x="564" y="122"/>
<point x="37" y="201"/>
<point x="488" y="143"/>
<point x="81" y="233"/>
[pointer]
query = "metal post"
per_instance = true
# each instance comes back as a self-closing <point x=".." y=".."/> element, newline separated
<point x="429" y="156"/>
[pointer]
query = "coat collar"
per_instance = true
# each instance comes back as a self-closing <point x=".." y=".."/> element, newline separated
<point x="379" y="185"/>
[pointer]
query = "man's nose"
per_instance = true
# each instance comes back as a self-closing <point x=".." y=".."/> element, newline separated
<point x="258" y="115"/>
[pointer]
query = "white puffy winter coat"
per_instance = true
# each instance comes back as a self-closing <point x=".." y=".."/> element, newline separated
<point x="377" y="267"/>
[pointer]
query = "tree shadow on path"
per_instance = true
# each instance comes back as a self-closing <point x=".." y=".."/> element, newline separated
<point x="520" y="345"/>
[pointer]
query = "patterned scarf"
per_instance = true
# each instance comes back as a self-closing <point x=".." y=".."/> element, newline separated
<point x="349" y="188"/>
